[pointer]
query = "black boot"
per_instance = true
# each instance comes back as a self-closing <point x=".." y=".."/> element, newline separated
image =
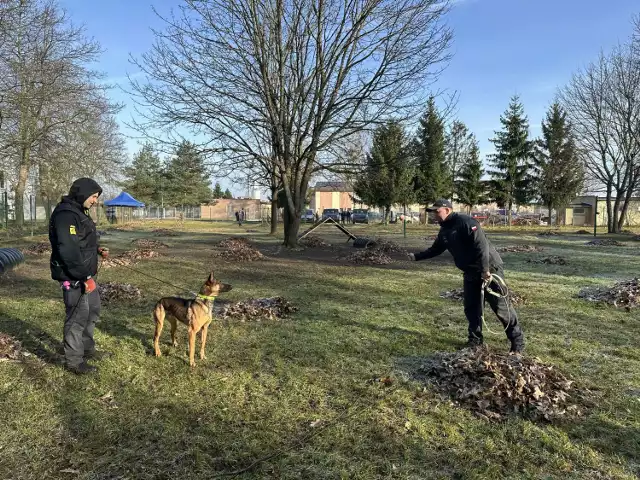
<point x="97" y="355"/>
<point x="82" y="369"/>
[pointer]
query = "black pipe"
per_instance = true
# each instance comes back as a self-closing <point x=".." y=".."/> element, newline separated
<point x="9" y="258"/>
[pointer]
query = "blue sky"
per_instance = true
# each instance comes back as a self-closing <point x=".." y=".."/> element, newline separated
<point x="501" y="48"/>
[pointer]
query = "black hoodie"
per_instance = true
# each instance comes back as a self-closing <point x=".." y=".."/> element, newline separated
<point x="73" y="236"/>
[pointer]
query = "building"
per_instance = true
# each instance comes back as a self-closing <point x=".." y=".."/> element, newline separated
<point x="331" y="195"/>
<point x="582" y="212"/>
<point x="225" y="209"/>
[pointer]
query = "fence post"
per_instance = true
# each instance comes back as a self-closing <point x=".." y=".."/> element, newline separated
<point x="6" y="213"/>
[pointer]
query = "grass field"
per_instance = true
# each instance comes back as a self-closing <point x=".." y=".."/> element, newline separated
<point x="299" y="394"/>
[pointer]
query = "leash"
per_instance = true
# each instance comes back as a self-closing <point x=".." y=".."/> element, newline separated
<point x="502" y="293"/>
<point x="170" y="284"/>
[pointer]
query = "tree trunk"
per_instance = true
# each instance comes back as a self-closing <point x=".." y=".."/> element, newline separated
<point x="616" y="213"/>
<point x="23" y="176"/>
<point x="625" y="207"/>
<point x="550" y="209"/>
<point x="291" y="228"/>
<point x="386" y="215"/>
<point x="274" y="216"/>
<point x="609" y="212"/>
<point x="509" y="206"/>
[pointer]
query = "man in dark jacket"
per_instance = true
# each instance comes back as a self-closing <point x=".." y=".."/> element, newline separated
<point x="74" y="263"/>
<point x="478" y="259"/>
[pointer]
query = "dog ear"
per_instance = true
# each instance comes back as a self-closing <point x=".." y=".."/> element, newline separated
<point x="211" y="279"/>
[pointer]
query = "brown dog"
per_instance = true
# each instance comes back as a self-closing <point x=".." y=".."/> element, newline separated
<point x="195" y="313"/>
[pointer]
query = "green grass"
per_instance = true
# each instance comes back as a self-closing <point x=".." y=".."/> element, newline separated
<point x="264" y="384"/>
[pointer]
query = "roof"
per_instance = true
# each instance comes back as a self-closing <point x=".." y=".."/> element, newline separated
<point x="123" y="200"/>
<point x="581" y="204"/>
<point x="332" y="187"/>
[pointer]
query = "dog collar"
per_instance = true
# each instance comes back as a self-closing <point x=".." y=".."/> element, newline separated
<point x="205" y="297"/>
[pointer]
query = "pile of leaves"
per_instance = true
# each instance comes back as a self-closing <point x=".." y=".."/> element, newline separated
<point x="369" y="256"/>
<point x="10" y="348"/>
<point x="625" y="294"/>
<point x="238" y="250"/>
<point x="165" y="232"/>
<point x="128" y="258"/>
<point x="583" y="232"/>
<point x="148" y="244"/>
<point x="256" y="309"/>
<point x="43" y="248"/>
<point x="636" y="238"/>
<point x="520" y="249"/>
<point x="525" y="222"/>
<point x="111" y="291"/>
<point x="314" y="242"/>
<point x="550" y="233"/>
<point x="388" y="246"/>
<point x="550" y="260"/>
<point x="495" y="385"/>
<point x="458" y="294"/>
<point x="605" y="242"/>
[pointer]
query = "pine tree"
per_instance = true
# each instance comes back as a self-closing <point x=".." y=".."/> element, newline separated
<point x="459" y="143"/>
<point x="559" y="170"/>
<point x="227" y="194"/>
<point x="217" y="191"/>
<point x="432" y="175"/>
<point x="471" y="190"/>
<point x="387" y="176"/>
<point x="143" y="176"/>
<point x="186" y="178"/>
<point x="511" y="176"/>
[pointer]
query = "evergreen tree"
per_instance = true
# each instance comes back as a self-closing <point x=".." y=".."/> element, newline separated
<point x="471" y="190"/>
<point x="186" y="178"/>
<point x="143" y="176"/>
<point x="432" y="180"/>
<point x="459" y="143"/>
<point x="217" y="191"/>
<point x="227" y="194"/>
<point x="388" y="174"/>
<point x="559" y="170"/>
<point x="511" y="174"/>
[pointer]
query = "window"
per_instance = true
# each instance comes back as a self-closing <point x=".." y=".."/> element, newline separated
<point x="578" y="211"/>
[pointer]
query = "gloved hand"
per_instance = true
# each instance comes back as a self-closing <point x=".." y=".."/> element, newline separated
<point x="411" y="256"/>
<point x="103" y="252"/>
<point x="486" y="276"/>
<point x="89" y="285"/>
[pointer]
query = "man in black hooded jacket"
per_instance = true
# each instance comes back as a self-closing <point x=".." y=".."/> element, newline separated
<point x="472" y="253"/>
<point x="74" y="263"/>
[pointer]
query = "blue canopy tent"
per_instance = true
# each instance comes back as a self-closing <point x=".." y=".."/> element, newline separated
<point x="123" y="208"/>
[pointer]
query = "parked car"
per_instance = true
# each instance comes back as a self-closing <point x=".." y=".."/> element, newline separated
<point x="308" y="216"/>
<point x="360" y="215"/>
<point x="333" y="213"/>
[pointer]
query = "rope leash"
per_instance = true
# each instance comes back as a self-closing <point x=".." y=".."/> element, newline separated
<point x="167" y="283"/>
<point x="502" y="293"/>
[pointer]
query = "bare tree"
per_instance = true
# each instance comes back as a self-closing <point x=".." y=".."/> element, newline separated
<point x="603" y="103"/>
<point x="459" y="145"/>
<point x="308" y="72"/>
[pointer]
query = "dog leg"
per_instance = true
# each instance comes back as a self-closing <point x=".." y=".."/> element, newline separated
<point x="174" y="328"/>
<point x="203" y="340"/>
<point x="192" y="346"/>
<point x="158" y="316"/>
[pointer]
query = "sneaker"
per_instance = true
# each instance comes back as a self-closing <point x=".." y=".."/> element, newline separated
<point x="82" y="369"/>
<point x="97" y="355"/>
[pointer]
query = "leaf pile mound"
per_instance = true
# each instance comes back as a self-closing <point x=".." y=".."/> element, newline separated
<point x="550" y="233"/>
<point x="256" y="309"/>
<point x="238" y="250"/>
<point x="550" y="260"/>
<point x="111" y="291"/>
<point x="148" y="243"/>
<point x="496" y="385"/>
<point x="313" y="241"/>
<point x="520" y="249"/>
<point x="525" y="222"/>
<point x="636" y="238"/>
<point x="369" y="256"/>
<point x="43" y="248"/>
<point x="583" y="232"/>
<point x="128" y="258"/>
<point x="458" y="294"/>
<point x="165" y="232"/>
<point x="605" y="242"/>
<point x="388" y="246"/>
<point x="625" y="294"/>
<point x="10" y="348"/>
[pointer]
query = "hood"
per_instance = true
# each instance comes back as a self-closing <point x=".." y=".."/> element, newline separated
<point x="83" y="188"/>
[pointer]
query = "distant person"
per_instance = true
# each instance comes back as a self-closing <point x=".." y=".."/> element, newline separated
<point x="74" y="263"/>
<point x="472" y="253"/>
<point x="348" y="215"/>
<point x="317" y="215"/>
<point x="242" y="215"/>
<point x="238" y="218"/>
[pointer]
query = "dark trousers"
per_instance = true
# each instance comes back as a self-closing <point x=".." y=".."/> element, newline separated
<point x="503" y="309"/>
<point x="82" y="313"/>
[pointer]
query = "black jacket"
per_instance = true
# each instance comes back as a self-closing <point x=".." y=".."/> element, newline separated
<point x="73" y="235"/>
<point x="464" y="238"/>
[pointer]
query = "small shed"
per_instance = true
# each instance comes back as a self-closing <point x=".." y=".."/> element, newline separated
<point x="124" y="208"/>
<point x="579" y="214"/>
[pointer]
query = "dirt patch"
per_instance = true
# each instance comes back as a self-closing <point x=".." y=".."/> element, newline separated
<point x="550" y="260"/>
<point x="256" y="309"/>
<point x="520" y="249"/>
<point x="43" y="248"/>
<point x="605" y="242"/>
<point x="550" y="233"/>
<point x="458" y="294"/>
<point x="10" y="348"/>
<point x="370" y="256"/>
<point x="148" y="243"/>
<point x="164" y="232"/>
<point x="624" y="294"/>
<point x="238" y="250"/>
<point x="496" y="385"/>
<point x="128" y="258"/>
<point x="583" y="232"/>
<point x="112" y="291"/>
<point x="313" y="241"/>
